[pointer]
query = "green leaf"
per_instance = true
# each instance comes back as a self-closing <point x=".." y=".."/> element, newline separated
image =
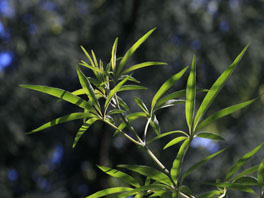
<point x="114" y="91"/>
<point x="165" y="134"/>
<point x="241" y="162"/>
<point x="168" y="84"/>
<point x="200" y="163"/>
<point x="210" y="194"/>
<point x="261" y="174"/>
<point x="148" y="172"/>
<point x="109" y="191"/>
<point x="186" y="190"/>
<point x="141" y="104"/>
<point x="142" y="65"/>
<point x="209" y="135"/>
<point x="123" y="104"/>
<point x="60" y="120"/>
<point x="120" y="175"/>
<point x="174" y="141"/>
<point x="176" y="167"/>
<point x="246" y="172"/>
<point x="240" y="187"/>
<point x="94" y="69"/>
<point x="154" y="123"/>
<point x="113" y="57"/>
<point x="217" y="86"/>
<point x="86" y="85"/>
<point x="94" y="59"/>
<point x="132" y="87"/>
<point x="131" y="51"/>
<point x="83" y="129"/>
<point x="140" y="189"/>
<point x="132" y="79"/>
<point x="247" y="181"/>
<point x="190" y="96"/>
<point x="88" y="56"/>
<point x="116" y="111"/>
<point x="169" y="103"/>
<point x="223" y="112"/>
<point x="79" y="92"/>
<point x="60" y="93"/>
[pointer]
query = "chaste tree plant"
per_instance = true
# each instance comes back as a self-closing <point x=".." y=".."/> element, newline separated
<point x="105" y="105"/>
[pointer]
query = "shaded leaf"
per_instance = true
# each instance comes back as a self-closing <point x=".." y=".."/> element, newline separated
<point x="109" y="191"/>
<point x="120" y="175"/>
<point x="148" y="172"/>
<point x="83" y="129"/>
<point x="141" y="104"/>
<point x="132" y="87"/>
<point x="210" y="194"/>
<point x="247" y="181"/>
<point x="170" y="103"/>
<point x="60" y="120"/>
<point x="174" y="141"/>
<point x="223" y="112"/>
<point x="154" y="123"/>
<point x="242" y="161"/>
<point x="261" y="174"/>
<point x="246" y="172"/>
<point x="165" y="134"/>
<point x="216" y="87"/>
<point x="240" y="187"/>
<point x="116" y="111"/>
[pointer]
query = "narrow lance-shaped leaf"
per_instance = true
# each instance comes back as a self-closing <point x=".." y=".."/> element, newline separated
<point x="60" y="93"/>
<point x="148" y="172"/>
<point x="94" y="59"/>
<point x="83" y="129"/>
<point x="113" y="57"/>
<point x="154" y="123"/>
<point x="109" y="191"/>
<point x="242" y="161"/>
<point x="166" y="134"/>
<point x="222" y="113"/>
<point x="120" y="175"/>
<point x="60" y="120"/>
<point x="216" y="87"/>
<point x="209" y="135"/>
<point x="94" y="69"/>
<point x="86" y="85"/>
<point x="174" y="141"/>
<point x="132" y="87"/>
<point x="114" y="91"/>
<point x="261" y="174"/>
<point x="141" y="104"/>
<point x="88" y="56"/>
<point x="131" y="51"/>
<point x="190" y="96"/>
<point x="142" y="65"/>
<point x="200" y="163"/>
<point x="246" y="172"/>
<point x="240" y="187"/>
<point x="176" y="167"/>
<point x="168" y="84"/>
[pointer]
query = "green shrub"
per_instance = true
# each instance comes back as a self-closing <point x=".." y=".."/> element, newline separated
<point x="104" y="105"/>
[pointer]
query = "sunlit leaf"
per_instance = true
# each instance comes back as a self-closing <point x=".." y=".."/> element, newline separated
<point x="261" y="174"/>
<point x="141" y="104"/>
<point x="209" y="135"/>
<point x="82" y="130"/>
<point x="142" y="65"/>
<point x="190" y="96"/>
<point x="165" y="86"/>
<point x="174" y="141"/>
<point x="166" y="134"/>
<point x="240" y="187"/>
<point x="109" y="191"/>
<point x="132" y="87"/>
<point x="94" y="59"/>
<point x="148" y="172"/>
<point x="175" y="170"/>
<point x="216" y="87"/>
<point x="116" y="111"/>
<point x="169" y="103"/>
<point x="88" y="56"/>
<point x="222" y="113"/>
<point x="113" y="57"/>
<point x="241" y="162"/>
<point x="200" y="163"/>
<point x="60" y="93"/>
<point x="154" y="123"/>
<point x="131" y="51"/>
<point x="186" y="190"/>
<point x="114" y="91"/>
<point x="120" y="175"/>
<point x="86" y="85"/>
<point x="94" y="69"/>
<point x="210" y="194"/>
<point x="60" y="120"/>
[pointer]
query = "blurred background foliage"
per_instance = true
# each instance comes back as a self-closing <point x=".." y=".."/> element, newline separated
<point x="40" y="44"/>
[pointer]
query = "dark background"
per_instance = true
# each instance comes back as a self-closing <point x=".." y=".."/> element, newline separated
<point x="40" y="44"/>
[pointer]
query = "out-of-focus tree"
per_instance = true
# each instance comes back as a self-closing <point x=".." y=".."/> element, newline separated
<point x="40" y="44"/>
